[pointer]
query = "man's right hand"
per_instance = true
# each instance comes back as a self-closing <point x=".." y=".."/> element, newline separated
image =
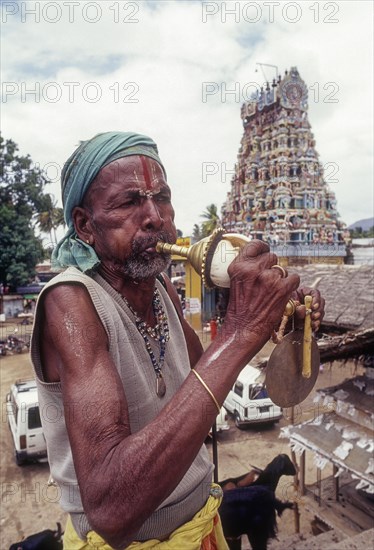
<point x="258" y="294"/>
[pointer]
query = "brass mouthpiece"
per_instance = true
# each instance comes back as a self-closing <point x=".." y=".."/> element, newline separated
<point x="172" y="249"/>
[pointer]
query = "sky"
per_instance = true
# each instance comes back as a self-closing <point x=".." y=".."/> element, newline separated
<point x="179" y="72"/>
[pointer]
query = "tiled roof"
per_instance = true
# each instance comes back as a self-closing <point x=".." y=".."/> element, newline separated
<point x="348" y="291"/>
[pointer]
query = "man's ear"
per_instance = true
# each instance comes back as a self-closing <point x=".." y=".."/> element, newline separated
<point x="83" y="225"/>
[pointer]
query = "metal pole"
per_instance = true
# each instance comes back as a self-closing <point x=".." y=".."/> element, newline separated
<point x="295" y="482"/>
<point x="215" y="452"/>
<point x="319" y="485"/>
<point x="302" y="473"/>
<point x="336" y="482"/>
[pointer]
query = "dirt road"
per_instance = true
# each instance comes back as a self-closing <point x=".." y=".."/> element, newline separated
<point x="29" y="505"/>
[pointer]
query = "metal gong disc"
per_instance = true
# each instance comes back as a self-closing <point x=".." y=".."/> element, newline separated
<point x="285" y="382"/>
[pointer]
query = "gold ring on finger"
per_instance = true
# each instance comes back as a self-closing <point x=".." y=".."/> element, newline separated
<point x="281" y="269"/>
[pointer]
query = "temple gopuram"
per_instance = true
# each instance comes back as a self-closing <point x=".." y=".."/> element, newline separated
<point x="278" y="193"/>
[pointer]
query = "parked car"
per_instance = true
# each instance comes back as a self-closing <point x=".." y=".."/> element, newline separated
<point x="248" y="399"/>
<point x="221" y="424"/>
<point x="23" y="414"/>
<point x="222" y="421"/>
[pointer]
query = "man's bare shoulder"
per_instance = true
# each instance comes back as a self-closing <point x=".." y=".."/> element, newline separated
<point x="70" y="328"/>
<point x="67" y="307"/>
<point x="65" y="297"/>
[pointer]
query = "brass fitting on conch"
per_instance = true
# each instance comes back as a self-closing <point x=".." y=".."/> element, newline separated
<point x="290" y="308"/>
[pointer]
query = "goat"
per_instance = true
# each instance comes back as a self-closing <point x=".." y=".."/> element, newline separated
<point x="45" y="540"/>
<point x="251" y="510"/>
<point x="240" y="481"/>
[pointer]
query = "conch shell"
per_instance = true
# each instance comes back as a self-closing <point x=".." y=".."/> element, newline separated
<point x="211" y="256"/>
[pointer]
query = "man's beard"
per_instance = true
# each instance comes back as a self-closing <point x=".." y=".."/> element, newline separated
<point x="139" y="265"/>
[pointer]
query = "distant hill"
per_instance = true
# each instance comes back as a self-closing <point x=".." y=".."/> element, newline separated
<point x="366" y="224"/>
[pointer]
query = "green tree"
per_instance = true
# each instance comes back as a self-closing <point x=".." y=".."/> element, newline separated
<point x="50" y="217"/>
<point x="196" y="233"/>
<point x="212" y="220"/>
<point x="359" y="233"/>
<point x="21" y="196"/>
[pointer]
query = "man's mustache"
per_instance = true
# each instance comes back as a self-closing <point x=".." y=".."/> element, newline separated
<point x="142" y="243"/>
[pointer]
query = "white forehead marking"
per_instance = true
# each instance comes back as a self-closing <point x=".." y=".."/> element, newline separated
<point x="147" y="193"/>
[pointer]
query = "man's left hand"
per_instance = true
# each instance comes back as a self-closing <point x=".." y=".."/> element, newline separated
<point x="318" y="307"/>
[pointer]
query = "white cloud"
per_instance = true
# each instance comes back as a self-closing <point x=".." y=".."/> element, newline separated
<point x="168" y="55"/>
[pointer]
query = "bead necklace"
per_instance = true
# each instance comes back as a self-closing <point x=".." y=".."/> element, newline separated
<point x="160" y="333"/>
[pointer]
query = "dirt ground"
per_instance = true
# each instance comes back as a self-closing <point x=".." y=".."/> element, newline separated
<point x="28" y="505"/>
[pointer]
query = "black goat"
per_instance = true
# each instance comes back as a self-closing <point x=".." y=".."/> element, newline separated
<point x="251" y="510"/>
<point x="241" y="481"/>
<point x="45" y="540"/>
<point x="280" y="466"/>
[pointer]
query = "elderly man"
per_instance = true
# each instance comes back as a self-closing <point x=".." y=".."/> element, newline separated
<point x="120" y="367"/>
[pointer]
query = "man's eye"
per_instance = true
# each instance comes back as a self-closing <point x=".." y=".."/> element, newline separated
<point x="130" y="202"/>
<point x="162" y="198"/>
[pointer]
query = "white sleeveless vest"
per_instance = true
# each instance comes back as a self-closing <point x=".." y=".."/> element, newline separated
<point x="127" y="349"/>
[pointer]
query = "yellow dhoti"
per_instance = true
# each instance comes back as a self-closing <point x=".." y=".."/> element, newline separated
<point x="203" y="532"/>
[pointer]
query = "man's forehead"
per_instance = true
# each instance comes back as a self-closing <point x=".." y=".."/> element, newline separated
<point x="133" y="170"/>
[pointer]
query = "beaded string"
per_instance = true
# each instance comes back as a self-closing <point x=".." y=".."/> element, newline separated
<point x="160" y="332"/>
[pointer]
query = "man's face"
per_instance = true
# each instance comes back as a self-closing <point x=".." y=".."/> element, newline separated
<point x="129" y="205"/>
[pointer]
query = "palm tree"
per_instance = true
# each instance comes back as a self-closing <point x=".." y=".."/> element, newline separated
<point x="50" y="217"/>
<point x="196" y="233"/>
<point x="212" y="220"/>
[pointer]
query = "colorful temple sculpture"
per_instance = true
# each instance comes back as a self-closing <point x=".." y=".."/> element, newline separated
<point x="278" y="193"/>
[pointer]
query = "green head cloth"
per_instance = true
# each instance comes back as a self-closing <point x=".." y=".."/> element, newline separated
<point x="77" y="175"/>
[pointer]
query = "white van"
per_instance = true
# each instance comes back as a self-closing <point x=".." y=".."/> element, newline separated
<point x="248" y="400"/>
<point x="24" y="422"/>
<point x="222" y="421"/>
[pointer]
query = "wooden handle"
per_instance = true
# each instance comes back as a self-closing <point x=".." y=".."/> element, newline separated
<point x="307" y="341"/>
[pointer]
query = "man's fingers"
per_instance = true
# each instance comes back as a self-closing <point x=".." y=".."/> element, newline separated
<point x="254" y="258"/>
<point x="316" y="317"/>
<point x="281" y="270"/>
<point x="321" y="308"/>
<point x="316" y="325"/>
<point x="292" y="281"/>
<point x="254" y="248"/>
<point x="300" y="311"/>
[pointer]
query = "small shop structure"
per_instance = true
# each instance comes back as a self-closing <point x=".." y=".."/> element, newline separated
<point x="339" y="441"/>
<point x="342" y="442"/>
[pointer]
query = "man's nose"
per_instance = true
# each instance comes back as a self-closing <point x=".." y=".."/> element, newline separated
<point x="152" y="218"/>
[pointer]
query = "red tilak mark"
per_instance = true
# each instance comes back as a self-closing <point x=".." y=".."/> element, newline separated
<point x="147" y="175"/>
